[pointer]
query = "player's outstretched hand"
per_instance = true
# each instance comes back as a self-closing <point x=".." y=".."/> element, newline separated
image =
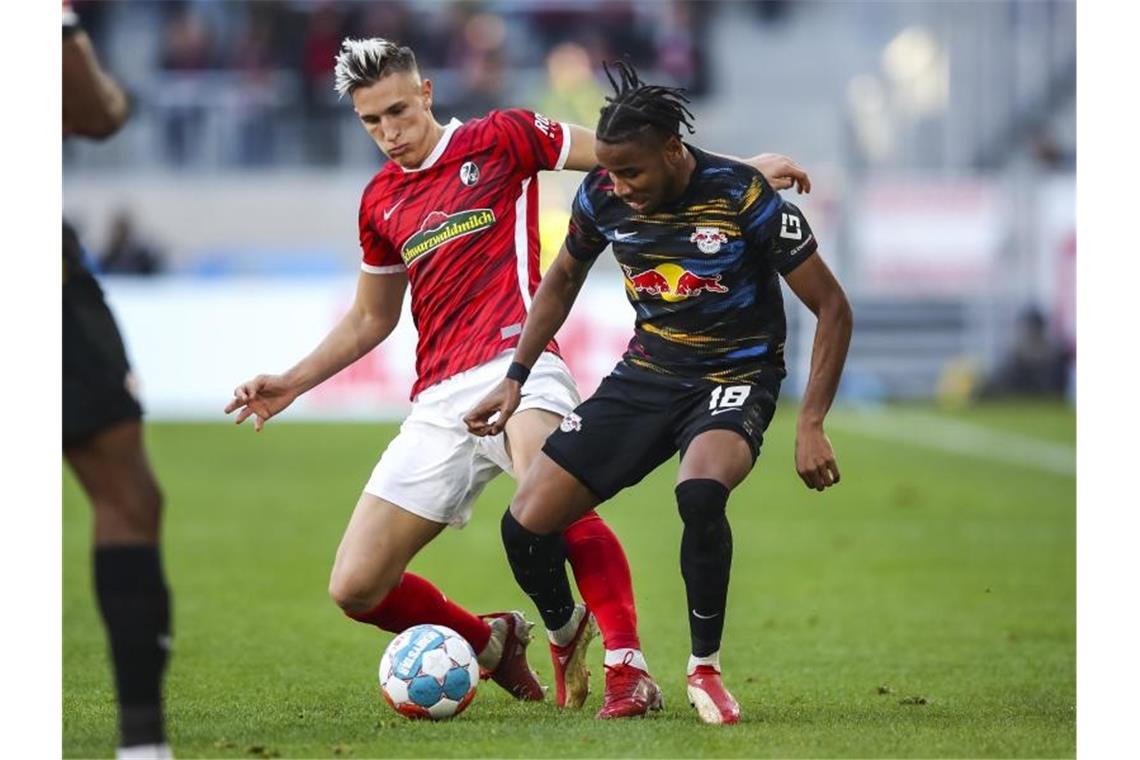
<point x="502" y="401"/>
<point x="262" y="397"/>
<point x="815" y="459"/>
<point x="782" y="172"/>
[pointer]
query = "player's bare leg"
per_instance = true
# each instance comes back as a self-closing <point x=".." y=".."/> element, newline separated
<point x="116" y="475"/>
<point x="379" y="542"/>
<point x="715" y="462"/>
<point x="370" y="584"/>
<point x="114" y="471"/>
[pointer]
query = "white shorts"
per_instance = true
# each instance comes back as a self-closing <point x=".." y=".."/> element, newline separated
<point x="434" y="468"/>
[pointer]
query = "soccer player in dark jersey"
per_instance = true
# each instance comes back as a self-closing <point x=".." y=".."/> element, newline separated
<point x="453" y="218"/>
<point x="103" y="444"/>
<point x="702" y="241"/>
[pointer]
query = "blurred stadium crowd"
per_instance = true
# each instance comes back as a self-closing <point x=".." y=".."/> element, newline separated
<point x="224" y="83"/>
<point x="266" y="67"/>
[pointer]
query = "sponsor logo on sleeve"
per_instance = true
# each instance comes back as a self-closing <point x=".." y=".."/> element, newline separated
<point x="790" y="227"/>
<point x="543" y="125"/>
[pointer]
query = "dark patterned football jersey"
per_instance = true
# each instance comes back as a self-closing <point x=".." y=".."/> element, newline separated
<point x="701" y="272"/>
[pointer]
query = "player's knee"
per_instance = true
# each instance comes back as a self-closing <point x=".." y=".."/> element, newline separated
<point x="525" y="547"/>
<point x="129" y="514"/>
<point x="151" y="500"/>
<point x="355" y="592"/>
<point x="523" y="506"/>
<point x="514" y="535"/>
<point x="354" y="595"/>
<point x="518" y="539"/>
<point x="702" y="504"/>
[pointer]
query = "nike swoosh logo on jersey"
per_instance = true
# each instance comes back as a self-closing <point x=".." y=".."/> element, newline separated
<point x="705" y="617"/>
<point x="718" y="411"/>
<point x="392" y="210"/>
<point x="618" y="235"/>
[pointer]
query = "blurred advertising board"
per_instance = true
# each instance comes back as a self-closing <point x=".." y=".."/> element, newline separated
<point x="192" y="341"/>
<point x="928" y="236"/>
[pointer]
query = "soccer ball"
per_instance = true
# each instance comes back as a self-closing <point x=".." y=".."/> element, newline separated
<point x="429" y="671"/>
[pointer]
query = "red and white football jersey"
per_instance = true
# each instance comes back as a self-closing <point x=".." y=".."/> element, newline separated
<point x="464" y="225"/>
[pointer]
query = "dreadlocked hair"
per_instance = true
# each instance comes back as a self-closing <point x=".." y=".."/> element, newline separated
<point x="636" y="107"/>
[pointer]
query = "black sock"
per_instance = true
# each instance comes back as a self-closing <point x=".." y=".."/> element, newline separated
<point x="136" y="611"/>
<point x="539" y="565"/>
<point x="706" y="558"/>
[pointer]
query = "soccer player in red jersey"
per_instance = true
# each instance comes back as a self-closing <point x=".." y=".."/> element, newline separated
<point x="453" y="215"/>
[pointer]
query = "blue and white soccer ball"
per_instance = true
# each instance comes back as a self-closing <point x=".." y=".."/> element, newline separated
<point x="429" y="671"/>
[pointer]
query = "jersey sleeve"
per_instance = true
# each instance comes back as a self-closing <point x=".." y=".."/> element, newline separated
<point x="584" y="240"/>
<point x="379" y="256"/>
<point x="774" y="227"/>
<point x="534" y="142"/>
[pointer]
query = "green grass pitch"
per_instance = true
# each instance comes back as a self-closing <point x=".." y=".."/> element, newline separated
<point x="924" y="608"/>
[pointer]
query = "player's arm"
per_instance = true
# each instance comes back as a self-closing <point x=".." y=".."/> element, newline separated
<point x="815" y="285"/>
<point x="582" y="156"/>
<point x="551" y="305"/>
<point x="780" y="171"/>
<point x="372" y="317"/>
<point x="93" y="104"/>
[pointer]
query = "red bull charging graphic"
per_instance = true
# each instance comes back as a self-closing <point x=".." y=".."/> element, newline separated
<point x="670" y="282"/>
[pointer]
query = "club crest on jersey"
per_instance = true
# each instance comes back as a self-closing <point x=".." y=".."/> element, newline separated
<point x="571" y="423"/>
<point x="469" y="173"/>
<point x="708" y="239"/>
<point x="439" y="228"/>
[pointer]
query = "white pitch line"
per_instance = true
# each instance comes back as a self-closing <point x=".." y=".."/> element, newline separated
<point x="962" y="438"/>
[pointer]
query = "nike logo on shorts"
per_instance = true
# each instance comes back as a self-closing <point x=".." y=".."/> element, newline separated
<point x="623" y="235"/>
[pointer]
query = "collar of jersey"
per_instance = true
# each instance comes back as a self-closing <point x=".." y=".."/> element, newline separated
<point x="439" y="148"/>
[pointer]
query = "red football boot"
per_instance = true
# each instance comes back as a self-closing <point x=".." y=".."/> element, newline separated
<point x="571" y="676"/>
<point x="630" y="692"/>
<point x="713" y="702"/>
<point x="513" y="673"/>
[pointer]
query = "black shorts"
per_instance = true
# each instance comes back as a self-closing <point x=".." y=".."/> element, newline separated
<point x="95" y="367"/>
<point x="630" y="426"/>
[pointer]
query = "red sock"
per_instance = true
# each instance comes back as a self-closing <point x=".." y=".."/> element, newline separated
<point x="602" y="574"/>
<point x="415" y="601"/>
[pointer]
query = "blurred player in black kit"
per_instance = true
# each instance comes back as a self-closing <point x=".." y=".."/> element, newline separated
<point x="702" y="241"/>
<point x="102" y="441"/>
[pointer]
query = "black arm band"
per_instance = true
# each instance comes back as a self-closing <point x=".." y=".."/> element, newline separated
<point x="518" y="372"/>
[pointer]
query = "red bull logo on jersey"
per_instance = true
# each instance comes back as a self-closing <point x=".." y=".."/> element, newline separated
<point x="708" y="239"/>
<point x="439" y="228"/>
<point x="670" y="282"/>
